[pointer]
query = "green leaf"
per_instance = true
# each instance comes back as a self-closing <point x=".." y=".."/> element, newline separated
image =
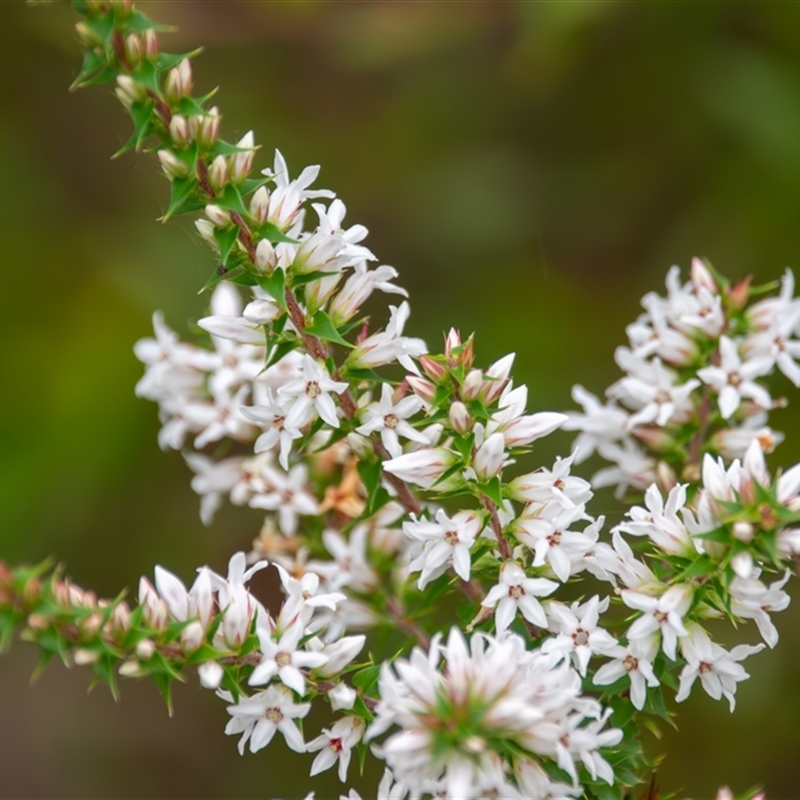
<point x="164" y="683"/>
<point x="166" y="61"/>
<point x="361" y="374"/>
<point x="220" y="273"/>
<point x="275" y="235"/>
<point x="147" y="75"/>
<point x="231" y="200"/>
<point x="225" y="239"/>
<point x="702" y="565"/>
<point x="141" y="114"/>
<point x="720" y="535"/>
<point x="370" y="474"/>
<point x="136" y="22"/>
<point x="102" y="26"/>
<point x="307" y="277"/>
<point x="93" y="62"/>
<point x="180" y="190"/>
<point x="251" y="184"/>
<point x="323" y="328"/>
<point x="275" y="286"/>
<point x="493" y="490"/>
<point x="365" y="679"/>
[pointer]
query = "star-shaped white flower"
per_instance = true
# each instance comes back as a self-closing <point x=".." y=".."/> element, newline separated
<point x="389" y="419"/>
<point x="663" y="614"/>
<point x="516" y="592"/>
<point x="634" y="660"/>
<point x="311" y="390"/>
<point x="336" y="744"/>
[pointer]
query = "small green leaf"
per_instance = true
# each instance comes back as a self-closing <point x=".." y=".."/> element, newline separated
<point x="702" y="565"/>
<point x="493" y="490"/>
<point x="272" y="232"/>
<point x="225" y="239"/>
<point x="323" y="328"/>
<point x="93" y="62"/>
<point x="136" y="22"/>
<point x="166" y="61"/>
<point x="180" y="190"/>
<point x="220" y="273"/>
<point x="307" y="277"/>
<point x="275" y="286"/>
<point x="231" y="200"/>
<point x="365" y="679"/>
<point x="370" y="474"/>
<point x="102" y="26"/>
<point x="146" y="74"/>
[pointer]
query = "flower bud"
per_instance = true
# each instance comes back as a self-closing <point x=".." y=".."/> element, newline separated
<point x="490" y="456"/>
<point x="6" y="583"/>
<point x="433" y="369"/>
<point x="421" y="387"/>
<point x="192" y="636"/>
<point x="360" y="445"/>
<point x="497" y="375"/>
<point x="86" y="35"/>
<point x="452" y="342"/>
<point x="129" y="92"/>
<point x="90" y="627"/>
<point x="150" y="42"/>
<point x="134" y="48"/>
<point x="218" y="216"/>
<point x="156" y="613"/>
<point x="702" y="277"/>
<point x="172" y="165"/>
<point x="259" y="204"/>
<point x="32" y="591"/>
<point x="120" y="621"/>
<point x="242" y="162"/>
<point x="179" y="130"/>
<point x="665" y="476"/>
<point x="471" y="387"/>
<point x="145" y="649"/>
<point x="654" y="438"/>
<point x="38" y="622"/>
<point x="422" y="467"/>
<point x="743" y="531"/>
<point x="266" y="260"/>
<point x="179" y="81"/>
<point x="205" y="128"/>
<point x="83" y="657"/>
<point x="218" y="173"/>
<point x="210" y="675"/>
<point x="132" y="669"/>
<point x="459" y="417"/>
<point x="206" y="230"/>
<point x="740" y="293"/>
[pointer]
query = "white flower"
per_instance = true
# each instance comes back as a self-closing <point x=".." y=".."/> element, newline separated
<point x="544" y="485"/>
<point x="259" y="716"/>
<point x="270" y="416"/>
<point x="284" y="659"/>
<point x="517" y="427"/>
<point x="598" y="424"/>
<point x="423" y="467"/>
<point x="311" y="390"/>
<point x="733" y="378"/>
<point x="489" y="458"/>
<point x="336" y="744"/>
<point x="444" y="542"/>
<point x="657" y="397"/>
<point x="286" y="493"/>
<point x="303" y="597"/>
<point x="663" y="613"/>
<point x="389" y="418"/>
<point x="634" y="660"/>
<point x="718" y="669"/>
<point x="515" y="592"/>
<point x="389" y="345"/>
<point x="751" y="599"/>
<point x="358" y="287"/>
<point x="578" y="633"/>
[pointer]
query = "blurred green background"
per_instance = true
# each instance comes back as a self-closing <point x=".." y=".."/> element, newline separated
<point x="531" y="168"/>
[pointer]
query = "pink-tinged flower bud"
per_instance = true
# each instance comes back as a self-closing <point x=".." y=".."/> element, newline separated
<point x="179" y="130"/>
<point x="266" y="260"/>
<point x="201" y="599"/>
<point x="192" y="636"/>
<point x="339" y="653"/>
<point x="218" y="216"/>
<point x="32" y="591"/>
<point x="702" y="277"/>
<point x="150" y="43"/>
<point x="242" y="163"/>
<point x="129" y="92"/>
<point x="459" y="417"/>
<point x="434" y="369"/>
<point x="452" y="342"/>
<point x="179" y="81"/>
<point x="527" y="429"/>
<point x="120" y="622"/>
<point x="145" y="649"/>
<point x="172" y="165"/>
<point x="490" y="456"/>
<point x="740" y="293"/>
<point x="472" y="385"/>
<point x="496" y="379"/>
<point x="665" y="476"/>
<point x="155" y="613"/>
<point x="360" y="445"/>
<point x="132" y="669"/>
<point x="236" y="619"/>
<point x="134" y="48"/>
<point x="654" y="438"/>
<point x="205" y="128"/>
<point x="38" y="622"/>
<point x="90" y="626"/>
<point x="83" y="657"/>
<point x="211" y="675"/>
<point x="218" y="173"/>
<point x="421" y="387"/>
<point x="422" y="467"/>
<point x="259" y="204"/>
<point x="743" y="531"/>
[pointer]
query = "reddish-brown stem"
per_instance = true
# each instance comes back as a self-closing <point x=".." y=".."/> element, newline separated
<point x="697" y="440"/>
<point x="497" y="526"/>
<point x="406" y="625"/>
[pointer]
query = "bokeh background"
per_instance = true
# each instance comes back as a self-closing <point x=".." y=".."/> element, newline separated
<point x="531" y="168"/>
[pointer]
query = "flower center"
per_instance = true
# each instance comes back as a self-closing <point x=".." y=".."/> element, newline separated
<point x="273" y="715"/>
<point x="580" y="637"/>
<point x="734" y="379"/>
<point x="390" y="421"/>
<point x="451" y="537"/>
<point x="630" y="663"/>
<point x="661" y="616"/>
<point x="312" y="389"/>
<point x="335" y="745"/>
<point x="515" y="592"/>
<point x="283" y="659"/>
<point x="554" y="538"/>
<point x="704" y="667"/>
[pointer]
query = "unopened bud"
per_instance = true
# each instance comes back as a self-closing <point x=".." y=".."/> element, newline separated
<point x="702" y="277"/>
<point x="134" y="48"/>
<point x="743" y="531"/>
<point x="86" y="35"/>
<point x="83" y="657"/>
<point x="434" y="369"/>
<point x="266" y="260"/>
<point x="145" y="649"/>
<point x="179" y="130"/>
<point x="653" y="437"/>
<point x="421" y="387"/>
<point x="360" y="445"/>
<point x="471" y="387"/>
<point x="206" y="230"/>
<point x="210" y="675"/>
<point x="120" y="621"/>
<point x="132" y="669"/>
<point x="490" y="456"/>
<point x="150" y="42"/>
<point x="452" y="342"/>
<point x="129" y="92"/>
<point x="740" y="293"/>
<point x="218" y="216"/>
<point x="32" y="591"/>
<point x="665" y="476"/>
<point x="123" y="7"/>
<point x="496" y="379"/>
<point x="172" y="165"/>
<point x="218" y="173"/>
<point x="259" y="204"/>
<point x="38" y="622"/>
<point x="90" y="627"/>
<point x="192" y="636"/>
<point x="459" y="417"/>
<point x="179" y="81"/>
<point x="242" y="162"/>
<point x="205" y="128"/>
<point x="6" y="583"/>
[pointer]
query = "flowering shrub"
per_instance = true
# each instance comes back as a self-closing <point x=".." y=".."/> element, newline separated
<point x="424" y="576"/>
